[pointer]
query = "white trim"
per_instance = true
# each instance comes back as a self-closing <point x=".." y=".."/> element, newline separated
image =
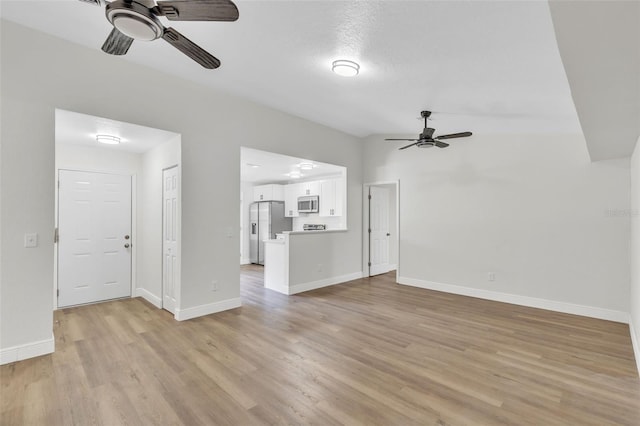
<point x="326" y="282"/>
<point x="635" y="344"/>
<point x="533" y="302"/>
<point x="209" y="308"/>
<point x="245" y="261"/>
<point x="148" y="296"/>
<point x="29" y="350"/>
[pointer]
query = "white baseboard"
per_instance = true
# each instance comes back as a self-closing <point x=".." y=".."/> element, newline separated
<point x="313" y="285"/>
<point x="149" y="297"/>
<point x="245" y="261"/>
<point x="209" y="308"/>
<point x="29" y="350"/>
<point x="635" y="343"/>
<point x="532" y="302"/>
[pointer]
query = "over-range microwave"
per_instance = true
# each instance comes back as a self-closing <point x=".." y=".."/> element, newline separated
<point x="308" y="204"/>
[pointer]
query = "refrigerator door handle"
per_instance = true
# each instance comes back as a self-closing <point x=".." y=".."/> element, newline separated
<point x="253" y="228"/>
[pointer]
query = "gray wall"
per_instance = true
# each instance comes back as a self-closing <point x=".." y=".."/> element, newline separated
<point x="533" y="209"/>
<point x="41" y="73"/>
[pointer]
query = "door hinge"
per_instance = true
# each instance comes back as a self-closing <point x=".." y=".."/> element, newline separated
<point x="56" y="236"/>
<point x="369" y="230"/>
<point x="58" y="292"/>
<point x="369" y="196"/>
<point x="369" y="263"/>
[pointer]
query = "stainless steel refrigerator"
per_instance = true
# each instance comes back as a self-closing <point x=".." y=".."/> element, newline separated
<point x="267" y="219"/>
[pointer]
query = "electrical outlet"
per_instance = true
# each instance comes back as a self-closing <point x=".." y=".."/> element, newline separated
<point x="214" y="285"/>
<point x="30" y="240"/>
<point x="492" y="276"/>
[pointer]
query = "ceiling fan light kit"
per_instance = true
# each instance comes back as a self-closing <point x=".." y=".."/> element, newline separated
<point x="139" y="20"/>
<point x="426" y="139"/>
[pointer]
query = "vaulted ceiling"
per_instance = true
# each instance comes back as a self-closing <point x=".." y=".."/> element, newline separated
<point x="484" y="66"/>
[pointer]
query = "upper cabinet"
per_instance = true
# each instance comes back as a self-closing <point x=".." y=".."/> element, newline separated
<point x="331" y="197"/>
<point x="309" y="188"/>
<point x="271" y="192"/>
<point x="291" y="194"/>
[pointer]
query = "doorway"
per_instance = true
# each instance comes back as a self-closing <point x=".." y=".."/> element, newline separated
<point x="381" y="228"/>
<point x="170" y="237"/>
<point x="91" y="243"/>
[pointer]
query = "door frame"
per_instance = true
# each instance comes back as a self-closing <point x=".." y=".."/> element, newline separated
<point x="365" y="224"/>
<point x="134" y="230"/>
<point x="178" y="283"/>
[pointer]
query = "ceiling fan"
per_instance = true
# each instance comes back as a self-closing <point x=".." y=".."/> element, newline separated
<point x="426" y="139"/>
<point x="139" y="20"/>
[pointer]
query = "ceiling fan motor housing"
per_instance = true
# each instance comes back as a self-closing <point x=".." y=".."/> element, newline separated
<point x="134" y="20"/>
<point x="427" y="133"/>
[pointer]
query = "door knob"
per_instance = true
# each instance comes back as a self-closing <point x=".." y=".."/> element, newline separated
<point x="126" y="237"/>
<point x="388" y="234"/>
<point x="126" y="245"/>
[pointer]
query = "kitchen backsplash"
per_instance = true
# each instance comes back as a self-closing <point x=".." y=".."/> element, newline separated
<point x="331" y="222"/>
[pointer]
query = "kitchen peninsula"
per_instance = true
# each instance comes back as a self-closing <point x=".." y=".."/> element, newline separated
<point x="306" y="260"/>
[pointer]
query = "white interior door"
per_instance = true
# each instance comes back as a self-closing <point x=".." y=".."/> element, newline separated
<point x="170" y="264"/>
<point x="94" y="246"/>
<point x="379" y="226"/>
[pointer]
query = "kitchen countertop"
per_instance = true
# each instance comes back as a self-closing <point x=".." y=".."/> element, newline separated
<point x="280" y="241"/>
<point x="325" y="231"/>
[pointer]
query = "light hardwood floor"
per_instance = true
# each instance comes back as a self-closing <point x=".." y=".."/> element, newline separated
<point x="365" y="352"/>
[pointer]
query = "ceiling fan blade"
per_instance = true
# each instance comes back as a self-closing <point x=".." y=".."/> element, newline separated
<point x="93" y="2"/>
<point x="408" y="146"/>
<point x="455" y="135"/>
<point x="190" y="49"/>
<point x="198" y="10"/>
<point x="401" y="139"/>
<point x="441" y="144"/>
<point x="117" y="43"/>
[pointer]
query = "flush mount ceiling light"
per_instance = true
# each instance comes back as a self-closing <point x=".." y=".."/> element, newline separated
<point x="255" y="166"/>
<point x="108" y="139"/>
<point x="306" y="166"/>
<point x="295" y="175"/>
<point x="345" y="68"/>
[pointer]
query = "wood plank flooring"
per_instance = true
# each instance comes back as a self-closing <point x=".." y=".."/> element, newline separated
<point x="365" y="352"/>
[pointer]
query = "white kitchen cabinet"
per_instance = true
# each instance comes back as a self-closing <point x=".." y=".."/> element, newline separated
<point x="331" y="197"/>
<point x="309" y="188"/>
<point x="271" y="192"/>
<point x="291" y="194"/>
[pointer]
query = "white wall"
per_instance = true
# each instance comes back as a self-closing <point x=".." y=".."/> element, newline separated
<point x="97" y="159"/>
<point x="634" y="297"/>
<point x="533" y="209"/>
<point x="213" y="126"/>
<point x="149" y="267"/>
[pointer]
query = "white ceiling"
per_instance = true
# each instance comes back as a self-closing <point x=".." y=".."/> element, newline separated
<point x="73" y="128"/>
<point x="273" y="168"/>
<point x="483" y="66"/>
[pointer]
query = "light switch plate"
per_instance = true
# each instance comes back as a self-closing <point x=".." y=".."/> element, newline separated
<point x="31" y="240"/>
